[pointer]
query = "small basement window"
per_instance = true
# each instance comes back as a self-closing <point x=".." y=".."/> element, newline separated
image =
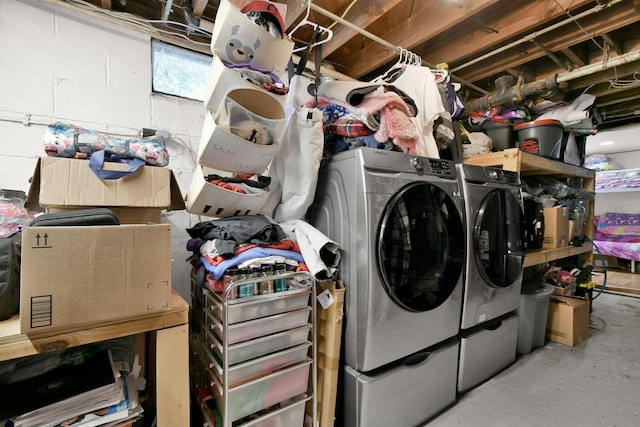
<point x="178" y="71"/>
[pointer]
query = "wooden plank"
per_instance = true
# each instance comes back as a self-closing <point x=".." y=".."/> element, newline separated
<point x="431" y="19"/>
<point x="540" y="256"/>
<point x="618" y="281"/>
<point x="607" y="20"/>
<point x="363" y="14"/>
<point x="13" y="344"/>
<point x="172" y="376"/>
<point x="529" y="164"/>
<point x="199" y="6"/>
<point x="426" y="21"/>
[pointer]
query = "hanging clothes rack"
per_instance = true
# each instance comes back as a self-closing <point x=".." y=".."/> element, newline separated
<point x="381" y="41"/>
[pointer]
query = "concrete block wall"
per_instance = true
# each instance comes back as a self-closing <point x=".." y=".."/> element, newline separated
<point x="60" y="65"/>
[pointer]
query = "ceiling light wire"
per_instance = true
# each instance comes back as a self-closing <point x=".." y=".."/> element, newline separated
<point x="568" y="13"/>
<point x="344" y="13"/>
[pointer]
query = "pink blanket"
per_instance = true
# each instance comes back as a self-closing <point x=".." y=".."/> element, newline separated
<point x="395" y="118"/>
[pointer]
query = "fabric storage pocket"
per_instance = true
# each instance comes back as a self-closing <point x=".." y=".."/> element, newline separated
<point x="242" y="136"/>
<point x="223" y="79"/>
<point x="238" y="40"/>
<point x="209" y="199"/>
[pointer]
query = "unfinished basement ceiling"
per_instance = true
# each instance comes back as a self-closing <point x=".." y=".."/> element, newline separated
<point x="591" y="46"/>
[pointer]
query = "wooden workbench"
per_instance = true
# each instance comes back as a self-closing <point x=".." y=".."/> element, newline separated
<point x="169" y="331"/>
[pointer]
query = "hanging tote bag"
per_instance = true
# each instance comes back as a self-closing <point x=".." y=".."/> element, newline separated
<point x="294" y="171"/>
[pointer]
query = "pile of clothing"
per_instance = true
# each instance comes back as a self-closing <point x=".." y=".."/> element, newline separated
<point x="256" y="241"/>
<point x="375" y="116"/>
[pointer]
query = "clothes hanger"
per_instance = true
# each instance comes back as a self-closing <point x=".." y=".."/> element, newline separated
<point x="441" y="76"/>
<point x="392" y="71"/>
<point x="316" y="27"/>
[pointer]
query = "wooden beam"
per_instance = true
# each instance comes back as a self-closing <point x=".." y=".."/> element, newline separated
<point x="615" y="45"/>
<point x="609" y="19"/>
<point x="428" y="20"/>
<point x="423" y="21"/>
<point x="363" y="14"/>
<point x="199" y="6"/>
<point x="295" y="11"/>
<point x="573" y="57"/>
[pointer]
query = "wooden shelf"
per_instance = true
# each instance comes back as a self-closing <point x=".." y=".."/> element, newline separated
<point x="13" y="344"/>
<point x="171" y="332"/>
<point x="529" y="164"/>
<point x="540" y="256"/>
<point x="617" y="190"/>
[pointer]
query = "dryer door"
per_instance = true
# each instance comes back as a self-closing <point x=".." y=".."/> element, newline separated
<point x="420" y="247"/>
<point x="497" y="238"/>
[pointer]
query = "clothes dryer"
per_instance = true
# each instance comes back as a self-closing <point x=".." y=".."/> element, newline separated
<point x="493" y="273"/>
<point x="399" y="222"/>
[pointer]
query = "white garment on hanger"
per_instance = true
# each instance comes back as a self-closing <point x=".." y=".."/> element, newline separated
<point x="321" y="254"/>
<point x="294" y="170"/>
<point x="418" y="82"/>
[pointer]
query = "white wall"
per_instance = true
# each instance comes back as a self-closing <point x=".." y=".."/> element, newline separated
<point x="57" y="65"/>
<point x="623" y="146"/>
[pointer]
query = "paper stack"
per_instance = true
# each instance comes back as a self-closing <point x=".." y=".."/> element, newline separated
<point x="90" y="393"/>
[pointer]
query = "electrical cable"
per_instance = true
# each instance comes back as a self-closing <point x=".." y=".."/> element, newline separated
<point x="145" y="24"/>
<point x="604" y="269"/>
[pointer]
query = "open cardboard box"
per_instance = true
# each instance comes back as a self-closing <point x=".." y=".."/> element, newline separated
<point x="60" y="184"/>
<point x="567" y="320"/>
<point x="556" y="227"/>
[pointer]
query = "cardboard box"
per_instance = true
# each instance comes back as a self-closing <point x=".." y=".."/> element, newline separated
<point x="125" y="215"/>
<point x="72" y="277"/>
<point x="329" y="337"/>
<point x="61" y="182"/>
<point x="567" y="320"/>
<point x="556" y="227"/>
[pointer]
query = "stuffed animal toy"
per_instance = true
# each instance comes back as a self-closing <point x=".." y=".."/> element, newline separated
<point x="67" y="140"/>
<point x="252" y="131"/>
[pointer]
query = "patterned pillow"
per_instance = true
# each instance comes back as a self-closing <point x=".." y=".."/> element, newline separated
<point x="612" y="218"/>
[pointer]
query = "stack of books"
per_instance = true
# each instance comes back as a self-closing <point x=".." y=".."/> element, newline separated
<point x="90" y="393"/>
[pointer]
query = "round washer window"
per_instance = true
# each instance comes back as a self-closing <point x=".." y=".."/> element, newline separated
<point x="497" y="239"/>
<point x="420" y="247"/>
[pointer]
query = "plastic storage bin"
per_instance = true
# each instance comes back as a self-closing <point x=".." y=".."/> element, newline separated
<point x="533" y="311"/>
<point x="259" y="347"/>
<point x="258" y="307"/>
<point x="251" y="329"/>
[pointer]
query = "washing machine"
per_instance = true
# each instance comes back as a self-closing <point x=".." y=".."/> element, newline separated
<point x="493" y="273"/>
<point x="399" y="222"/>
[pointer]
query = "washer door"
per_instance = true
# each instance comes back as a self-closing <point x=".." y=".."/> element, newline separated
<point x="497" y="239"/>
<point x="420" y="247"/>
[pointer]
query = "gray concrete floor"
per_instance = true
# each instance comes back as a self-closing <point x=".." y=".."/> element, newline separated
<point x="596" y="383"/>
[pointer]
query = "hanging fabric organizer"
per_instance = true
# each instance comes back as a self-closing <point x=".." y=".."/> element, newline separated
<point x="245" y="116"/>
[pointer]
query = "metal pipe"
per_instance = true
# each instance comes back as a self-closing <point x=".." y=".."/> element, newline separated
<point x="514" y="93"/>
<point x="596" y="67"/>
<point x="534" y="35"/>
<point x="167" y="10"/>
<point x="385" y="43"/>
<point x="541" y="87"/>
